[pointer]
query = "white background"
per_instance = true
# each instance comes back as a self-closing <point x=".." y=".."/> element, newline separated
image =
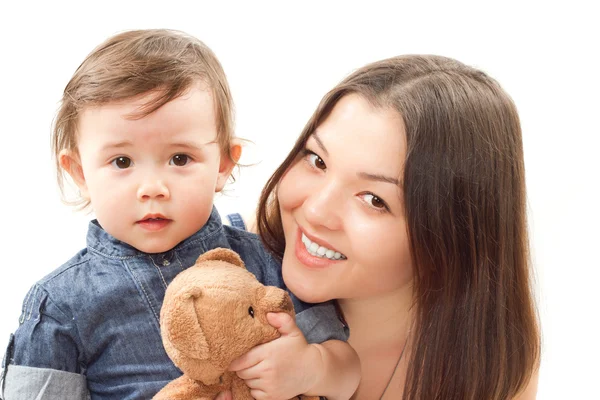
<point x="280" y="59"/>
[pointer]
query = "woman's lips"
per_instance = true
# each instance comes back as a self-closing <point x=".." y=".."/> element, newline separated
<point x="308" y="259"/>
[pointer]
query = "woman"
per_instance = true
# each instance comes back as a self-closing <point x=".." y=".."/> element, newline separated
<point x="404" y="199"/>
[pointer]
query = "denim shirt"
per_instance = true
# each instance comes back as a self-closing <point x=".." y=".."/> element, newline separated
<point x="90" y="329"/>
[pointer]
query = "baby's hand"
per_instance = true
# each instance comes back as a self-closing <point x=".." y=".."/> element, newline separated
<point x="224" y="396"/>
<point x="283" y="368"/>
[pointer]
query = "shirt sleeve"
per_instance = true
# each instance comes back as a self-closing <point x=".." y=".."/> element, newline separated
<point x="27" y="383"/>
<point x="320" y="323"/>
<point x="46" y="337"/>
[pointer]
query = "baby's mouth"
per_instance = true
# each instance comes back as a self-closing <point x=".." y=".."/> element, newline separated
<point x="153" y="218"/>
<point x="154" y="222"/>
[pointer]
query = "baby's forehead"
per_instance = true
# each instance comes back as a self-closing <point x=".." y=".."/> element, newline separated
<point x="190" y="117"/>
<point x="143" y="104"/>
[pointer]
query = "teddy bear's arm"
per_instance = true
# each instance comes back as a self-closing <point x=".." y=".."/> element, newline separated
<point x="240" y="390"/>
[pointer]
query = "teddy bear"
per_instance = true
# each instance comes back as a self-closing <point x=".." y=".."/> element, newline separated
<point x="213" y="313"/>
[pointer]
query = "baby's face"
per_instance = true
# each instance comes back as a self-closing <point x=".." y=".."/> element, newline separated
<point x="151" y="180"/>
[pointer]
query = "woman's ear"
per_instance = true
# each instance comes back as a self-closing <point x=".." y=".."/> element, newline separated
<point x="69" y="161"/>
<point x="227" y="163"/>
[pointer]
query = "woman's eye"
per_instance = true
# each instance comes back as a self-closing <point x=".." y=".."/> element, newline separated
<point x="122" y="162"/>
<point x="316" y="161"/>
<point x="375" y="201"/>
<point x="179" y="160"/>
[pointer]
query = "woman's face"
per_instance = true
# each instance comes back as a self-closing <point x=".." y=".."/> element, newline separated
<point x="342" y="209"/>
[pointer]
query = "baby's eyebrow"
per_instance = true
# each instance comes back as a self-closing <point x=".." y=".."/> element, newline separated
<point x="117" y="145"/>
<point x="191" y="145"/>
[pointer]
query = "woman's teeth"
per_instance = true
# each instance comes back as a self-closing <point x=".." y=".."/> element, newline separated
<point x="319" y="251"/>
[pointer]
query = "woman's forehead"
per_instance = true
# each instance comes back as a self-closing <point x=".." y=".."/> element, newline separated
<point x="367" y="135"/>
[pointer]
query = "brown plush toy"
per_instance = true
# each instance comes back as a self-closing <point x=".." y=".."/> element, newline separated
<point x="213" y="313"/>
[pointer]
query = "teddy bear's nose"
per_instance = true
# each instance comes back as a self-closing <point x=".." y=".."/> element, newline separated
<point x="276" y="300"/>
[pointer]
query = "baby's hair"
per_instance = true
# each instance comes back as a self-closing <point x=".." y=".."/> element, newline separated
<point x="134" y="63"/>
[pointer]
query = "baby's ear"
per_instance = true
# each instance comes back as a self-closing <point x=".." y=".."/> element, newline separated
<point x="228" y="162"/>
<point x="70" y="162"/>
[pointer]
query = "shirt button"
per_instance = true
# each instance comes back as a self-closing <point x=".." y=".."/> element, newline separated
<point x="165" y="262"/>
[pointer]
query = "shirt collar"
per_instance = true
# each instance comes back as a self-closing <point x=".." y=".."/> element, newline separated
<point x="101" y="242"/>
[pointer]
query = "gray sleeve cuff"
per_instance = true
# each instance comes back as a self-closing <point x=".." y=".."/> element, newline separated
<point x="27" y="383"/>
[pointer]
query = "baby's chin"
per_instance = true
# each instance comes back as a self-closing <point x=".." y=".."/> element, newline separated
<point x="156" y="246"/>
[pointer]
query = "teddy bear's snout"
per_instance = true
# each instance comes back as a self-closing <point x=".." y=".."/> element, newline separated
<point x="277" y="300"/>
<point x="286" y="303"/>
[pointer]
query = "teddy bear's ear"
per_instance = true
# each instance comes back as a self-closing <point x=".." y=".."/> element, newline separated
<point x="182" y="326"/>
<point x="221" y="254"/>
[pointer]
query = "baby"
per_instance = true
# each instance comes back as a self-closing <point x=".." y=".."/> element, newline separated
<point x="145" y="131"/>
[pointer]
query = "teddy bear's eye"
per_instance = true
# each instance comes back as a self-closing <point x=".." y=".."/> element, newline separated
<point x="251" y="311"/>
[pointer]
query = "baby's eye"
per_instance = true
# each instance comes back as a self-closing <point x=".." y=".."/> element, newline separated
<point x="375" y="201"/>
<point x="179" y="160"/>
<point x="122" y="162"/>
<point x="315" y="161"/>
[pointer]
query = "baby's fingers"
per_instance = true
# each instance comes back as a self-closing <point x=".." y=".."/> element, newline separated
<point x="250" y="373"/>
<point x="284" y="323"/>
<point x="224" y="396"/>
<point x="246" y="361"/>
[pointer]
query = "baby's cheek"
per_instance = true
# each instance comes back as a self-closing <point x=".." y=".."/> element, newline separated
<point x="108" y="202"/>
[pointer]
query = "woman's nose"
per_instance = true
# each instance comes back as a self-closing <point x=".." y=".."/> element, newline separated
<point x="153" y="189"/>
<point x="323" y="207"/>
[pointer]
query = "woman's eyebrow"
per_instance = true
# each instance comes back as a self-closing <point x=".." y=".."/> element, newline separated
<point x="362" y="175"/>
<point x="320" y="143"/>
<point x="379" y="178"/>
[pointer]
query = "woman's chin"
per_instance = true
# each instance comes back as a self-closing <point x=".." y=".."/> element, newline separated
<point x="308" y="297"/>
<point x="307" y="291"/>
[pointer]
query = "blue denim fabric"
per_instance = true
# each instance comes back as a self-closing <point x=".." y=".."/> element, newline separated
<point x="98" y="315"/>
<point x="237" y="221"/>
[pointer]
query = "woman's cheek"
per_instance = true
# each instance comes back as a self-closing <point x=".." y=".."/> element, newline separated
<point x="292" y="189"/>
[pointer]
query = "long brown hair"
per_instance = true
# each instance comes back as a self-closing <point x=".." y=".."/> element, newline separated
<point x="476" y="333"/>
<point x="137" y="62"/>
